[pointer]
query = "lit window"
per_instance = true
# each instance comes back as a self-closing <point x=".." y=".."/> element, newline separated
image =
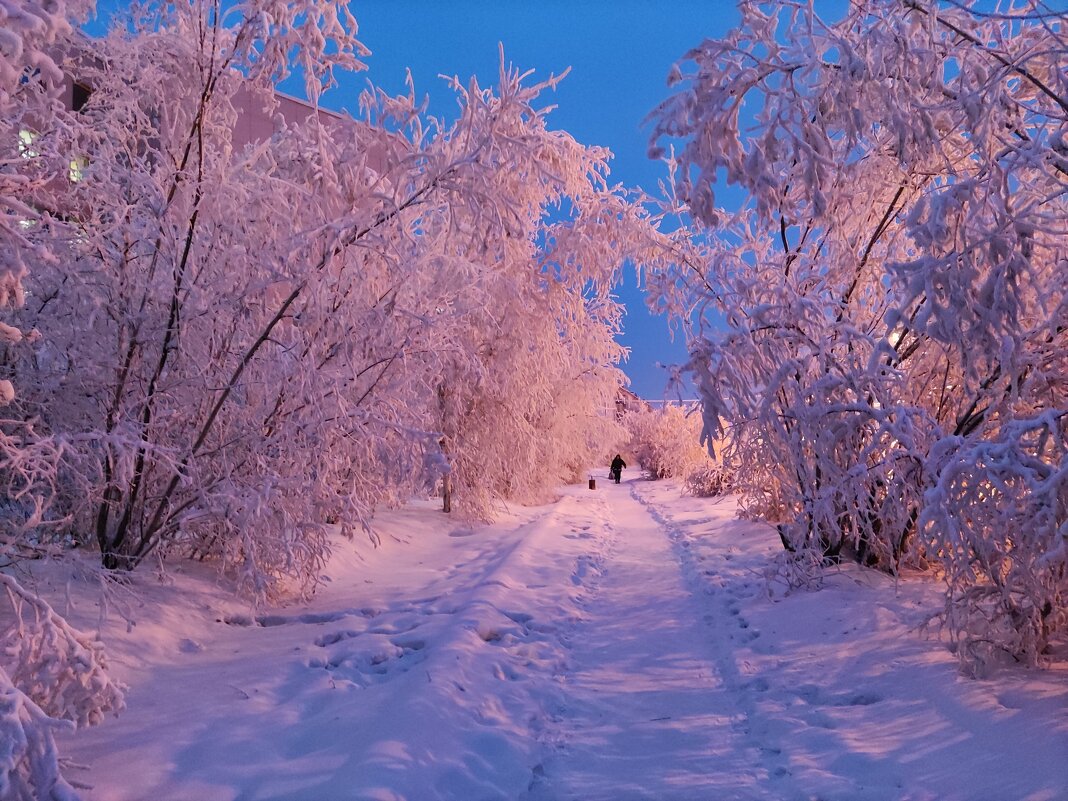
<point x="77" y="166"/>
<point x="26" y="148"/>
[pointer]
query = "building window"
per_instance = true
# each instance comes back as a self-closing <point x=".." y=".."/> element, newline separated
<point x="80" y="96"/>
<point x="26" y="140"/>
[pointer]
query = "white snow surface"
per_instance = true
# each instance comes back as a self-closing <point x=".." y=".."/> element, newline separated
<point x="621" y="643"/>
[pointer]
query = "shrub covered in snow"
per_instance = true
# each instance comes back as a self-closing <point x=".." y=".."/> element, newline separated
<point x="666" y="442"/>
<point x="29" y="761"/>
<point x="51" y="677"/>
<point x="998" y="520"/>
<point x="63" y="670"/>
<point x="887" y="313"/>
<point x="709" y="480"/>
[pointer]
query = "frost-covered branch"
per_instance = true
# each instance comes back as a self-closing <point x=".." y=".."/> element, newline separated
<point x="894" y="282"/>
<point x="29" y="759"/>
<point x="52" y="677"/>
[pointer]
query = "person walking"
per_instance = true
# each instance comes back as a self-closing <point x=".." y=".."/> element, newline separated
<point x="616" y="470"/>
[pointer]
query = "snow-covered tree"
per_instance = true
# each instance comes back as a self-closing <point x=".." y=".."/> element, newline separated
<point x="29" y="79"/>
<point x="528" y="402"/>
<point x="893" y="290"/>
<point x="666" y="441"/>
<point x="125" y="304"/>
<point x="51" y="676"/>
<point x="246" y="345"/>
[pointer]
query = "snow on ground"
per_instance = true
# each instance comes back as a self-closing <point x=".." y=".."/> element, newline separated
<point x="617" y="644"/>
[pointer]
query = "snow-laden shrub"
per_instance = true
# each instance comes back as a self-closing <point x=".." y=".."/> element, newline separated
<point x="424" y="297"/>
<point x="998" y="520"/>
<point x="63" y="670"/>
<point x="666" y="442"/>
<point x="890" y="297"/>
<point x="52" y="677"/>
<point x="794" y="570"/>
<point x="29" y="761"/>
<point x="709" y="480"/>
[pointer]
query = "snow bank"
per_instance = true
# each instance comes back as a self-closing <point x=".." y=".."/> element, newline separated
<point x="512" y="661"/>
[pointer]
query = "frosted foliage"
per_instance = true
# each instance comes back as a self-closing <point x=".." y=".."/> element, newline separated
<point x="28" y="28"/>
<point x="63" y="670"/>
<point x="895" y="280"/>
<point x="30" y="32"/>
<point x="709" y="480"/>
<point x="29" y="77"/>
<point x="247" y="346"/>
<point x="998" y="520"/>
<point x="527" y="403"/>
<point x="666" y="442"/>
<point x="29" y="761"/>
<point x="52" y="677"/>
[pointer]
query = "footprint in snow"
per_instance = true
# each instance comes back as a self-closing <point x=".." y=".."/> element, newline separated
<point x="583" y="568"/>
<point x="816" y="696"/>
<point x="396" y="626"/>
<point x="375" y="665"/>
<point x="335" y="637"/>
<point x="504" y="672"/>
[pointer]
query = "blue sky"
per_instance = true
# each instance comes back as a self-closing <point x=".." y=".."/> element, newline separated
<point x="619" y="52"/>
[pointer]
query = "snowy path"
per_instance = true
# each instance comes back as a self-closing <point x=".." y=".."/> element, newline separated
<point x="616" y="645"/>
<point x="646" y="712"/>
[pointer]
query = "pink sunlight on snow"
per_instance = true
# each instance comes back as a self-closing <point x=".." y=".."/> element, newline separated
<point x="254" y="350"/>
<point x="624" y="643"/>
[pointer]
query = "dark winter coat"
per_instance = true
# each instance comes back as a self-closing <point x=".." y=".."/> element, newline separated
<point x="618" y="464"/>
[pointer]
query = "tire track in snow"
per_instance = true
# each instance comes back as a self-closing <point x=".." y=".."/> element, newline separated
<point x="464" y="664"/>
<point x="645" y="711"/>
<point x="594" y="529"/>
<point x="727" y="628"/>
